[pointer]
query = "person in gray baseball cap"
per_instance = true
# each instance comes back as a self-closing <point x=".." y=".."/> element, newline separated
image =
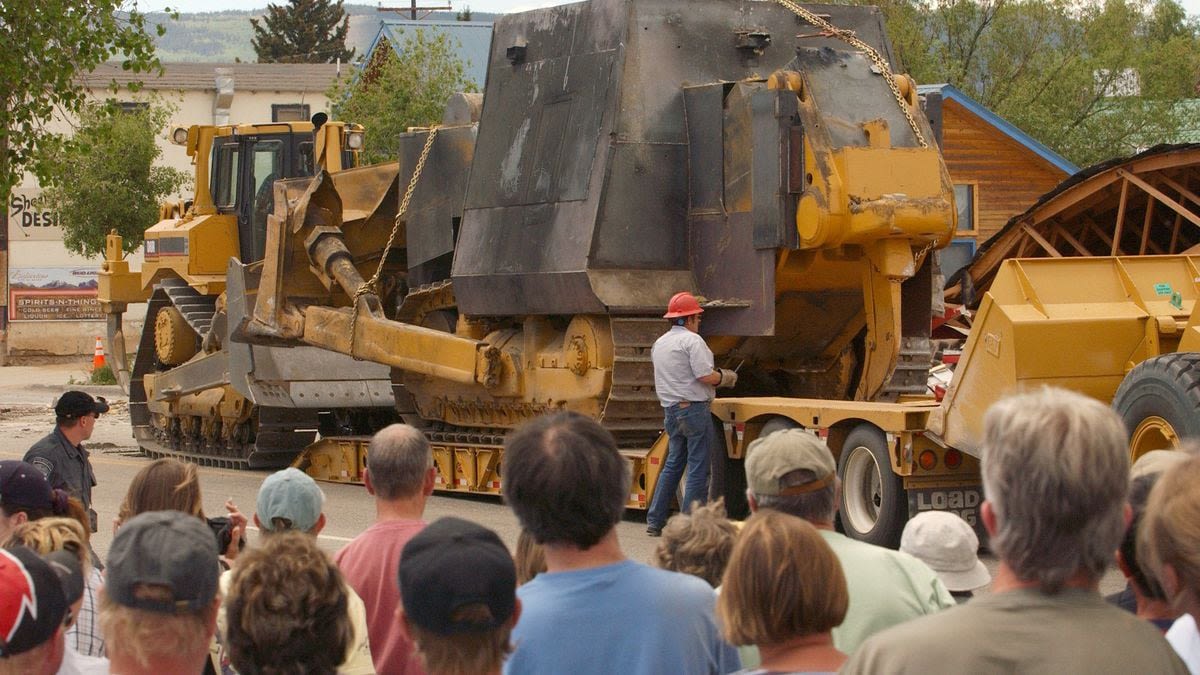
<point x="793" y="471"/>
<point x="158" y="608"/>
<point x="291" y="501"/>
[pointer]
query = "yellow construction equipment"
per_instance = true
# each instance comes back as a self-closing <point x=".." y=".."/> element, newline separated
<point x="1123" y="330"/>
<point x="194" y="393"/>
<point x="519" y="264"/>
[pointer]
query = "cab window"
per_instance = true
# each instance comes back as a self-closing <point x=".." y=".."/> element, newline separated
<point x="225" y="170"/>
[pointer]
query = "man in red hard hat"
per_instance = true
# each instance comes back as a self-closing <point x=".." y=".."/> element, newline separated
<point x="684" y="379"/>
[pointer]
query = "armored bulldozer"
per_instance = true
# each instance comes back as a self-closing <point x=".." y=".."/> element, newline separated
<point x="194" y="393"/>
<point x="765" y="156"/>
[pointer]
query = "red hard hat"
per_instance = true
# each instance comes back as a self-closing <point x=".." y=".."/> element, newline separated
<point x="682" y="304"/>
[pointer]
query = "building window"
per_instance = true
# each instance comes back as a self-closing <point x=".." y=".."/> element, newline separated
<point x="133" y="106"/>
<point x="956" y="256"/>
<point x="964" y="198"/>
<point x="289" y="112"/>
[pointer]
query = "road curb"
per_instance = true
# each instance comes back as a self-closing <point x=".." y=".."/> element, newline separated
<point x="105" y="390"/>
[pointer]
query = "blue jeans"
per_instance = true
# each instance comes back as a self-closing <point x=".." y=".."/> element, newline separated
<point x="689" y="443"/>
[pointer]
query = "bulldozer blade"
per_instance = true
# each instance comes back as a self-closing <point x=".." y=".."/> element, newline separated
<point x="115" y="346"/>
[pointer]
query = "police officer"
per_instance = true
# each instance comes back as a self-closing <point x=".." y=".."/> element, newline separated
<point x="61" y="455"/>
<point x="684" y="380"/>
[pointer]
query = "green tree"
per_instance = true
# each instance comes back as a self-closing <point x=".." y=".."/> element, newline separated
<point x="48" y="44"/>
<point x="1091" y="80"/>
<point x="398" y="91"/>
<point x="105" y="177"/>
<point x="302" y="31"/>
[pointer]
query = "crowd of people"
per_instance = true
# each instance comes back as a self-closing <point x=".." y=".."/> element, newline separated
<point x="783" y="592"/>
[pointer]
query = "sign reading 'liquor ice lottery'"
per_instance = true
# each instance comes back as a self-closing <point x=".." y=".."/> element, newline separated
<point x="53" y="294"/>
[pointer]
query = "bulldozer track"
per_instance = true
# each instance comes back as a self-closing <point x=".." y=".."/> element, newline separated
<point x="197" y="310"/>
<point x="632" y="412"/>
<point x="911" y="376"/>
<point x="270" y="439"/>
<point x="280" y="428"/>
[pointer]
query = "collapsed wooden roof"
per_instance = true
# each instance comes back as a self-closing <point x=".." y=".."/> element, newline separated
<point x="1140" y="205"/>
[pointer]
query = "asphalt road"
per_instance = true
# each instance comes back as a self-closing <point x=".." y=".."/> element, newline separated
<point x="27" y="394"/>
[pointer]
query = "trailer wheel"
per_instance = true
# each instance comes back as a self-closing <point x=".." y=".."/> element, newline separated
<point x="732" y="485"/>
<point x="1159" y="401"/>
<point x="873" y="505"/>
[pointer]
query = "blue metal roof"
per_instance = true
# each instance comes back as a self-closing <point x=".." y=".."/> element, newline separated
<point x="951" y="93"/>
<point x="472" y="40"/>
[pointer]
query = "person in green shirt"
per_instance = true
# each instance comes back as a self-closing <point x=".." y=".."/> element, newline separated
<point x="793" y="471"/>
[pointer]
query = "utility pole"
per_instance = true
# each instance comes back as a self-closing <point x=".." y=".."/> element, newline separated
<point x="413" y="9"/>
<point x="4" y="259"/>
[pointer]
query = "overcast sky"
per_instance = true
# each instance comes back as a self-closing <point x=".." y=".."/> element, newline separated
<point x="1192" y="6"/>
<point x="189" y="6"/>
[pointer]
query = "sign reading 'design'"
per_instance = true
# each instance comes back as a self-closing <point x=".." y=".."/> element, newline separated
<point x="30" y="219"/>
<point x="53" y="294"/>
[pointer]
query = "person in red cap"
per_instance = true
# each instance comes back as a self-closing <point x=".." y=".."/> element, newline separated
<point x="61" y="457"/>
<point x="684" y="379"/>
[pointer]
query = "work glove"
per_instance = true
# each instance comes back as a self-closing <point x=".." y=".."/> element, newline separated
<point x="728" y="378"/>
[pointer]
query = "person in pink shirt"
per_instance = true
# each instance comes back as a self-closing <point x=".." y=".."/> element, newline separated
<point x="400" y="475"/>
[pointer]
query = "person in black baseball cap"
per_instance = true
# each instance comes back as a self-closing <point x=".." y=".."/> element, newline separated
<point x="458" y="586"/>
<point x="61" y="457"/>
<point x="26" y="495"/>
<point x="32" y="609"/>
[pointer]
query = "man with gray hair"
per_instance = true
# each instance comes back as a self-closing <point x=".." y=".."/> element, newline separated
<point x="400" y="475"/>
<point x="1055" y="475"/>
<point x="793" y="471"/>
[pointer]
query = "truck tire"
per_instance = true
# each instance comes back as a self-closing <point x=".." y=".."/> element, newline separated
<point x="873" y="505"/>
<point x="727" y="476"/>
<point x="1159" y="401"/>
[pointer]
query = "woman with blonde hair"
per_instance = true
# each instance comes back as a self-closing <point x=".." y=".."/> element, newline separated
<point x="1170" y="536"/>
<point x="698" y="543"/>
<point x="785" y="592"/>
<point x="48" y="535"/>
<point x="530" y="558"/>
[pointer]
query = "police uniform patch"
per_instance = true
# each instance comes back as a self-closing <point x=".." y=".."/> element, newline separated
<point x="44" y="465"/>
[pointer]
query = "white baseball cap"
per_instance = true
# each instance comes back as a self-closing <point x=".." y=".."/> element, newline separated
<point x="949" y="546"/>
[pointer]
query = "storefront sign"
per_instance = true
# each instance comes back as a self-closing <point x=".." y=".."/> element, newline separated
<point x="53" y="294"/>
<point x="30" y="219"/>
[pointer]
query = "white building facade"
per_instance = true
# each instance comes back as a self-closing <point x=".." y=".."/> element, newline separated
<point x="51" y="307"/>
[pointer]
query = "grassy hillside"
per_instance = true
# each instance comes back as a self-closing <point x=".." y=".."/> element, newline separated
<point x="225" y="36"/>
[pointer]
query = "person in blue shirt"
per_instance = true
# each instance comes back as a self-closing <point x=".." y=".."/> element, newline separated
<point x="593" y="610"/>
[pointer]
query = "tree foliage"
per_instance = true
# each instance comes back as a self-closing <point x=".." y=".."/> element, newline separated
<point x="398" y="91"/>
<point x="302" y="31"/>
<point x="48" y="44"/>
<point x="105" y="177"/>
<point x="1091" y="80"/>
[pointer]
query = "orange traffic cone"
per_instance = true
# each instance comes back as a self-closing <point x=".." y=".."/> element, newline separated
<point x="98" y="355"/>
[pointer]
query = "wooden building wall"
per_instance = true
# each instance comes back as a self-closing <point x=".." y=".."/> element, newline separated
<point x="1007" y="176"/>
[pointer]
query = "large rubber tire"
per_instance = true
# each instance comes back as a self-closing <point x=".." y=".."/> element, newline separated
<point x="728" y="476"/>
<point x="874" y="507"/>
<point x="1159" y="401"/>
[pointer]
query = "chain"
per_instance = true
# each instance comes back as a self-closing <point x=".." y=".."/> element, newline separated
<point x="867" y="50"/>
<point x="928" y="247"/>
<point x="372" y="284"/>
